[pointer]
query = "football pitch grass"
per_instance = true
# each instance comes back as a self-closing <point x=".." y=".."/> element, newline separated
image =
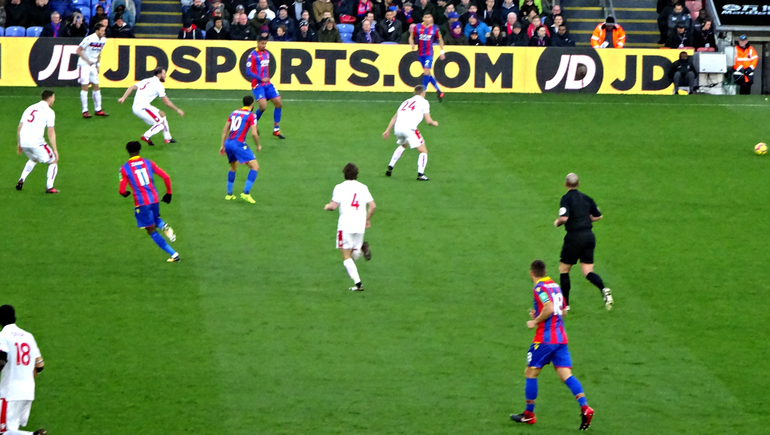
<point x="255" y="332"/>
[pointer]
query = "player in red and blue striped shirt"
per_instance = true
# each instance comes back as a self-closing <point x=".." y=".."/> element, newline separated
<point x="138" y="173"/>
<point x="549" y="346"/>
<point x="238" y="125"/>
<point x="425" y="34"/>
<point x="258" y="70"/>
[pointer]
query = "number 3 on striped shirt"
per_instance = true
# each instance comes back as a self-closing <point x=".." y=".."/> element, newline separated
<point x="142" y="176"/>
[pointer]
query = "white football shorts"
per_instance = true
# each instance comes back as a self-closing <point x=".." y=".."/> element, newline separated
<point x="349" y="240"/>
<point x="39" y="153"/>
<point x="148" y="114"/>
<point x="14" y="413"/>
<point x="412" y="137"/>
<point x="88" y="74"/>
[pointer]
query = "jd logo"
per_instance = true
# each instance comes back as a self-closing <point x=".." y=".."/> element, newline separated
<point x="53" y="61"/>
<point x="569" y="70"/>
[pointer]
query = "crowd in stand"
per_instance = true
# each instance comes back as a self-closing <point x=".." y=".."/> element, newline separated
<point x="461" y="22"/>
<point x="679" y="28"/>
<point x="63" y="18"/>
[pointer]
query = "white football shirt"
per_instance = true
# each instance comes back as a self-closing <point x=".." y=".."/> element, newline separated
<point x="92" y="47"/>
<point x="352" y="197"/>
<point x="411" y="113"/>
<point x="17" y="381"/>
<point x="147" y="90"/>
<point x="34" y="122"/>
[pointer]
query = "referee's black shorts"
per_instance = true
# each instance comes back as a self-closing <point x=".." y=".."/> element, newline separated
<point x="578" y="245"/>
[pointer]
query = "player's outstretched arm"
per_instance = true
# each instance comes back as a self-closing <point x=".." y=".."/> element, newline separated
<point x="130" y="89"/>
<point x="255" y="136"/>
<point x="430" y="120"/>
<point x="52" y="139"/>
<point x="168" y="103"/>
<point x="386" y="135"/>
<point x="595" y="218"/>
<point x="225" y="131"/>
<point x="369" y="212"/>
<point x="331" y="206"/>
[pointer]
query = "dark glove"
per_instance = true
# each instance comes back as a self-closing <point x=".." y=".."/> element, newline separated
<point x="749" y="71"/>
<point x="167" y="198"/>
<point x="126" y="194"/>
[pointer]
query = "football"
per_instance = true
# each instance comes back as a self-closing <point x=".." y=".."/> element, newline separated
<point x="760" y="148"/>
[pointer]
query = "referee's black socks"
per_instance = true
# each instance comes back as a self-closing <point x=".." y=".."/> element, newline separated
<point x="596" y="280"/>
<point x="565" y="286"/>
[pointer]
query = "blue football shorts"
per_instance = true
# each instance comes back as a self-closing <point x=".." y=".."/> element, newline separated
<point x="147" y="215"/>
<point x="540" y="355"/>
<point x="426" y="61"/>
<point x="265" y="92"/>
<point x="238" y="151"/>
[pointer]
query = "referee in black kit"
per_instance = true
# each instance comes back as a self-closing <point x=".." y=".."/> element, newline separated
<point x="577" y="212"/>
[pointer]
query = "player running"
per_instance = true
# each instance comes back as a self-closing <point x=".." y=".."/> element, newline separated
<point x="89" y="53"/>
<point x="138" y="172"/>
<point x="258" y="70"/>
<point x="30" y="140"/>
<point x="404" y="124"/>
<point x="549" y="346"/>
<point x="426" y="34"/>
<point x="241" y="122"/>
<point x="146" y="91"/>
<point x="20" y="363"/>
<point x="356" y="209"/>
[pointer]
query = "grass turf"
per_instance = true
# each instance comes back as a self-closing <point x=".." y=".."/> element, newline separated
<point x="255" y="332"/>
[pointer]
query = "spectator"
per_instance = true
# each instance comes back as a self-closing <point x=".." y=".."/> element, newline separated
<point x="481" y="28"/>
<point x="608" y="34"/>
<point x="321" y="7"/>
<point x="241" y="30"/>
<point x="264" y="32"/>
<point x="329" y="32"/>
<point x="472" y="9"/>
<point x="704" y="38"/>
<point x="405" y="16"/>
<point x="440" y="17"/>
<point x="283" y="19"/>
<point x="506" y="8"/>
<point x="367" y="35"/>
<point x="230" y="6"/>
<point x="697" y="20"/>
<point x="121" y="9"/>
<point x="519" y="37"/>
<point x="536" y="23"/>
<point x="17" y="13"/>
<point x="105" y="22"/>
<point x="405" y="36"/>
<point x="263" y="5"/>
<point x="218" y="31"/>
<point x="307" y="16"/>
<point x="189" y="30"/>
<point x="305" y="33"/>
<point x="105" y="6"/>
<point x="548" y="19"/>
<point x="99" y="16"/>
<point x="345" y="7"/>
<point x="474" y="38"/>
<point x="562" y="38"/>
<point x="296" y="9"/>
<point x="490" y="15"/>
<point x="455" y="35"/>
<point x="77" y="28"/>
<point x="745" y="63"/>
<point x="682" y="73"/>
<point x="452" y="18"/>
<point x="390" y="27"/>
<point x="281" y="35"/>
<point x="39" y="14"/>
<point x="678" y="16"/>
<point x="370" y="18"/>
<point x="528" y="6"/>
<point x="663" y="19"/>
<point x="218" y="13"/>
<point x="3" y="16"/>
<point x="362" y="8"/>
<point x="680" y="38"/>
<point x="540" y="38"/>
<point x="260" y="20"/>
<point x="56" y="28"/>
<point x="496" y="37"/>
<point x="528" y="19"/>
<point x="198" y="14"/>
<point x="462" y="7"/>
<point x="557" y="21"/>
<point x="120" y="29"/>
<point x="510" y="20"/>
<point x="424" y="7"/>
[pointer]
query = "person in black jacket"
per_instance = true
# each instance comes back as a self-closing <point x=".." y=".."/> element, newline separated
<point x="704" y="37"/>
<point x="540" y="38"/>
<point x="218" y="31"/>
<point x="682" y="73"/>
<point x="680" y="39"/>
<point x="39" y="14"/>
<point x="304" y="34"/>
<point x="562" y="38"/>
<point x="367" y="35"/>
<point x="496" y="37"/>
<point x="56" y="28"/>
<point x="189" y="30"/>
<point x="519" y="37"/>
<point x="198" y="14"/>
<point x="17" y="12"/>
<point x="390" y="27"/>
<point x="120" y="29"/>
<point x="77" y="27"/>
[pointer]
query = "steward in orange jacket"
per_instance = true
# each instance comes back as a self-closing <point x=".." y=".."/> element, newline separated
<point x="745" y="63"/>
<point x="599" y="38"/>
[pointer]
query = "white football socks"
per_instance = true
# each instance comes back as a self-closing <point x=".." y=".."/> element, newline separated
<point x="84" y="100"/>
<point x="396" y="155"/>
<point x="422" y="161"/>
<point x="97" y="96"/>
<point x="166" y="131"/>
<point x="350" y="265"/>
<point x="53" y="169"/>
<point x="153" y="130"/>
<point x="27" y="169"/>
<point x="356" y="254"/>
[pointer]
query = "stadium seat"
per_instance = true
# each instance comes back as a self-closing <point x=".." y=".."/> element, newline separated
<point x="693" y="6"/>
<point x="15" y="31"/>
<point x="81" y="2"/>
<point x="346" y="37"/>
<point x="59" y="7"/>
<point x="2" y="31"/>
<point x="706" y="49"/>
<point x="345" y="28"/>
<point x="86" y="11"/>
<point x="34" y="31"/>
<point x="203" y="32"/>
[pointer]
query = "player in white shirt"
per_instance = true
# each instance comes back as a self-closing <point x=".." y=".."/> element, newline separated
<point x="356" y="207"/>
<point x="404" y="124"/>
<point x="89" y="53"/>
<point x="146" y="91"/>
<point x="30" y="140"/>
<point x="20" y="363"/>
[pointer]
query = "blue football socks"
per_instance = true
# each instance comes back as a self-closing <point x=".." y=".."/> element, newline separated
<point x="435" y="83"/>
<point x="259" y="114"/>
<point x="530" y="392"/>
<point x="249" y="181"/>
<point x="277" y="115"/>
<point x="159" y="224"/>
<point x="160" y="241"/>
<point x="574" y="385"/>
<point x="230" y="182"/>
<point x="425" y="81"/>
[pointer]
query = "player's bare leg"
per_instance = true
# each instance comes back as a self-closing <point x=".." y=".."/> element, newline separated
<point x="396" y="155"/>
<point x="96" y="94"/>
<point x="595" y="279"/>
<point x="564" y="282"/>
<point x="250" y="179"/>
<point x="586" y="412"/>
<point x="422" y="161"/>
<point x="277" y="117"/>
<point x="84" y="100"/>
<point x="231" y="181"/>
<point x="350" y="266"/>
<point x="530" y="392"/>
<point x="161" y="242"/>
